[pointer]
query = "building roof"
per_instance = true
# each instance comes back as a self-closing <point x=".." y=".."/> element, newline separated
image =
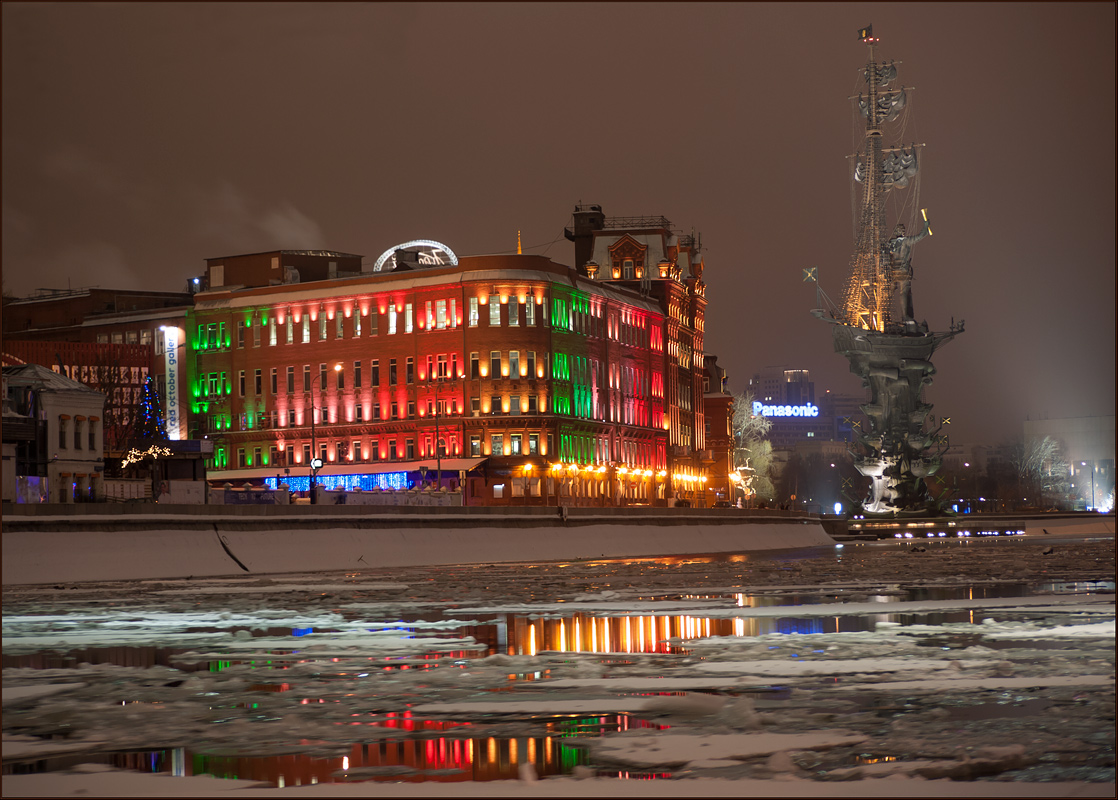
<point x="39" y="376"/>
<point x="321" y="253"/>
<point x="374" y="282"/>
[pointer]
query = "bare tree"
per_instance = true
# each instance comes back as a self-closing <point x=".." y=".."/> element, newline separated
<point x="1041" y="469"/>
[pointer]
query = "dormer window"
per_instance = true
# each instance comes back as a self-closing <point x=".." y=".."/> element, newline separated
<point x="627" y="257"/>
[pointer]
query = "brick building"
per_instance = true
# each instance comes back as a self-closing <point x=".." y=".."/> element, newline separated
<point x="520" y="379"/>
<point x="645" y="255"/>
<point x="108" y="339"/>
<point x="718" y="413"/>
<point x="524" y="378"/>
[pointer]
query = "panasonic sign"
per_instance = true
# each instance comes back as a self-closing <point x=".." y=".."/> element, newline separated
<point x="806" y="410"/>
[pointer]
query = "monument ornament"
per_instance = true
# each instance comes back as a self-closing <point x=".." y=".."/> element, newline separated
<point x="875" y="326"/>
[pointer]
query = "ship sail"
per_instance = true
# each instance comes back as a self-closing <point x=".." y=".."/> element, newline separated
<point x="898" y="168"/>
<point x="886" y="73"/>
<point x="889" y="105"/>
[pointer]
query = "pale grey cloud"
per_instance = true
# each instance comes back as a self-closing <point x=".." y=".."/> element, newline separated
<point x="231" y="223"/>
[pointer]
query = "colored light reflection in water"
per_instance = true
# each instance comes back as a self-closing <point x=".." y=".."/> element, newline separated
<point x="444" y="759"/>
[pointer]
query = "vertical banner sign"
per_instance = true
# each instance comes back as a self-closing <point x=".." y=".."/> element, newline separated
<point x="172" y="340"/>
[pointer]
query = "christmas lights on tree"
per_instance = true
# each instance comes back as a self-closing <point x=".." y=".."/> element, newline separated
<point x="151" y="418"/>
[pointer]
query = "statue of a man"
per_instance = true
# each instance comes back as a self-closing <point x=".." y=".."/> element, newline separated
<point x="900" y="248"/>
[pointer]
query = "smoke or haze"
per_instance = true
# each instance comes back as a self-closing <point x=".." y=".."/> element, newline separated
<point x="140" y="139"/>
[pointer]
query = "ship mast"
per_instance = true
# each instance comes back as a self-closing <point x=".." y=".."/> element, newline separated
<point x="866" y="298"/>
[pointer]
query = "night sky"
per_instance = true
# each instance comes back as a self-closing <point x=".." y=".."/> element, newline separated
<point x="140" y="139"/>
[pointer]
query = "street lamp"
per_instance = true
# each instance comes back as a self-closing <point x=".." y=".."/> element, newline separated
<point x="316" y="462"/>
<point x="1083" y="464"/>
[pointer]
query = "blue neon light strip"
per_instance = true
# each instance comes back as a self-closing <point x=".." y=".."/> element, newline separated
<point x="366" y="482"/>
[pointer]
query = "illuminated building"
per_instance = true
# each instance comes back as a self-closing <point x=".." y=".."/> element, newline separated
<point x="108" y="339"/>
<point x="839" y="416"/>
<point x="530" y="381"/>
<point x="645" y="255"/>
<point x="718" y="413"/>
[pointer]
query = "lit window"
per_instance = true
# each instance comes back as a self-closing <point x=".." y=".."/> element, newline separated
<point x="473" y="312"/>
<point x="494" y="312"/>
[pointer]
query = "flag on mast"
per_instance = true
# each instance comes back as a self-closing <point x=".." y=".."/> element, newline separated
<point x="866" y="33"/>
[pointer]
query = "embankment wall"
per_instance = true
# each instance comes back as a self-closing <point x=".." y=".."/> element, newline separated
<point x="42" y="549"/>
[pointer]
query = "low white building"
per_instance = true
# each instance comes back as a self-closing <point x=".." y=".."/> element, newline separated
<point x="68" y="448"/>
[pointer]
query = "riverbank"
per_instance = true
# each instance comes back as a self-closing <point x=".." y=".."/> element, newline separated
<point x="68" y="544"/>
<point x="203" y="543"/>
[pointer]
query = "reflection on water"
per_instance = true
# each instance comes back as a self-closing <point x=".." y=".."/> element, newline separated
<point x="398" y="747"/>
<point x="583" y="631"/>
<point x="447" y="759"/>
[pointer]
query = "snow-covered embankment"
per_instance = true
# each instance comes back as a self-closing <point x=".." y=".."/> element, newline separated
<point x="56" y="549"/>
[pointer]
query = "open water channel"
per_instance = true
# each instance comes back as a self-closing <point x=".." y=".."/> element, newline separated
<point x="894" y="656"/>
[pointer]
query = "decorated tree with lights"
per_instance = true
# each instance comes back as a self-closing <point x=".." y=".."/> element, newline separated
<point x="146" y="450"/>
<point x="151" y="427"/>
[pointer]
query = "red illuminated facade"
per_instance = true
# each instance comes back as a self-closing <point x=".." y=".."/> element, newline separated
<point x="536" y="383"/>
<point x="644" y="255"/>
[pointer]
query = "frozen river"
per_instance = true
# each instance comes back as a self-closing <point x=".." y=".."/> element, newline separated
<point x="977" y="668"/>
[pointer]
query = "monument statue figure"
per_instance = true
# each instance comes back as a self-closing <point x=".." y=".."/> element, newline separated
<point x="875" y="326"/>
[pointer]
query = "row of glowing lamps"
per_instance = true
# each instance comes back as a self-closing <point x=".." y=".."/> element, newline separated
<point x="574" y="470"/>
